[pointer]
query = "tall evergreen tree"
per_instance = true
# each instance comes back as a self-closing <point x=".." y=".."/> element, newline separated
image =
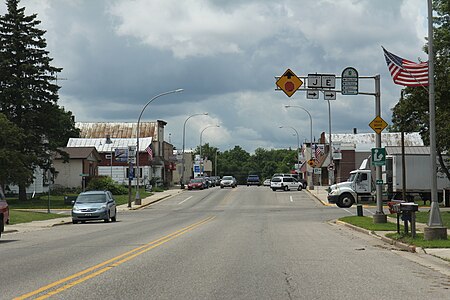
<point x="28" y="93"/>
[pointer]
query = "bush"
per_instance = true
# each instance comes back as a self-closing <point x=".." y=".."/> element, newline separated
<point x="103" y="183"/>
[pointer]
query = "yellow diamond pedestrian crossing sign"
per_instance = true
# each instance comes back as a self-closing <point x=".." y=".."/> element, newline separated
<point x="378" y="124"/>
<point x="289" y="83"/>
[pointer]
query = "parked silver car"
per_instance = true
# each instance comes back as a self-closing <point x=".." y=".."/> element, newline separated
<point x="94" y="205"/>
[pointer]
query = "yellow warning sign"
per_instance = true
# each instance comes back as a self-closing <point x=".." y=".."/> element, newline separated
<point x="289" y="82"/>
<point x="378" y="124"/>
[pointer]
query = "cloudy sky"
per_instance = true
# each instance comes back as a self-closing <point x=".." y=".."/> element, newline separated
<point x="118" y="54"/>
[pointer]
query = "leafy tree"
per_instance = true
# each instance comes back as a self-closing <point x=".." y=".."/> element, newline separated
<point x="412" y="112"/>
<point x="28" y="98"/>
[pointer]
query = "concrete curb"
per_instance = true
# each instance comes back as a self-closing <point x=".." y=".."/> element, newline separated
<point x="401" y="246"/>
<point x="318" y="199"/>
<point x="150" y="202"/>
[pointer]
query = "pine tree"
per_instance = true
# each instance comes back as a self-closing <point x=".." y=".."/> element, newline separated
<point x="28" y="93"/>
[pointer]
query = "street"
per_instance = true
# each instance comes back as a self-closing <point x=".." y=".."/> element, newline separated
<point x="242" y="243"/>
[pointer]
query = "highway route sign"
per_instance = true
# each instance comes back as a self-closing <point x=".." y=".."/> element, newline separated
<point x="289" y="83"/>
<point x="378" y="124"/>
<point x="349" y="81"/>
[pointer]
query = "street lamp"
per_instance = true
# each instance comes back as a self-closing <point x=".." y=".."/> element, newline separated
<point x="138" y="197"/>
<point x="298" y="146"/>
<point x="108" y="142"/>
<point x="184" y="134"/>
<point x="201" y="133"/>
<point x="311" y="184"/>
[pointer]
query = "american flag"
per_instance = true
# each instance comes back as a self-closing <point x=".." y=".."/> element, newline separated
<point x="405" y="72"/>
<point x="149" y="151"/>
<point x="318" y="151"/>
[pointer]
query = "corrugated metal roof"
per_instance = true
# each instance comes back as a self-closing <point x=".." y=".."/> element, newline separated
<point x="117" y="130"/>
<point x="397" y="150"/>
<point x="79" y="152"/>
<point x="101" y="145"/>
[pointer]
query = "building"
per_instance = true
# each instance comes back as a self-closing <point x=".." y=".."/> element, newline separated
<point x="81" y="163"/>
<point x="156" y="161"/>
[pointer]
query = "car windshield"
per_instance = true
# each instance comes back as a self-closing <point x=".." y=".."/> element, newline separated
<point x="227" y="178"/>
<point x="196" y="180"/>
<point x="91" y="198"/>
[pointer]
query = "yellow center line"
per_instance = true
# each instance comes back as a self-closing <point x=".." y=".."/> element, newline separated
<point x="117" y="261"/>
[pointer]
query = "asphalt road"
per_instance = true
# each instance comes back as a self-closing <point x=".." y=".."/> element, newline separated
<point x="243" y="243"/>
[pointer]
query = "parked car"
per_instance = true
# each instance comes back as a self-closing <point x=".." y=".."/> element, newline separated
<point x="4" y="215"/>
<point x="285" y="183"/>
<point x="198" y="183"/>
<point x="228" y="181"/>
<point x="94" y="205"/>
<point x="266" y="182"/>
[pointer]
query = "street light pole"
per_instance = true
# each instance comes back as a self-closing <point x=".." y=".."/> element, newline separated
<point x="298" y="146"/>
<point x="201" y="159"/>
<point x="138" y="197"/>
<point x="109" y="141"/>
<point x="184" y="134"/>
<point x="311" y="183"/>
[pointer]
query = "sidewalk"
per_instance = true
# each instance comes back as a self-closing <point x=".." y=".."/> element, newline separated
<point x="39" y="225"/>
<point x="320" y="193"/>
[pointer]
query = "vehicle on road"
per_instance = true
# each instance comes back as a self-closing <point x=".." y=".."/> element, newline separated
<point x="253" y="180"/>
<point x="285" y="183"/>
<point x="266" y="182"/>
<point x="197" y="184"/>
<point x="94" y="205"/>
<point x="296" y="176"/>
<point x="4" y="215"/>
<point x="228" y="181"/>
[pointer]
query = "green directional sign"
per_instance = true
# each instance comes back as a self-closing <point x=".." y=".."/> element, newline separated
<point x="378" y="156"/>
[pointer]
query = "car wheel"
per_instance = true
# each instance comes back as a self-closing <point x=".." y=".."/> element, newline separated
<point x="285" y="188"/>
<point x="114" y="219"/>
<point x="273" y="189"/>
<point x="74" y="222"/>
<point x="345" y="200"/>
<point x="107" y="218"/>
<point x="221" y="187"/>
<point x="300" y="188"/>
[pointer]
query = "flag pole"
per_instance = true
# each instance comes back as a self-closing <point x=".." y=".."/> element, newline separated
<point x="435" y="228"/>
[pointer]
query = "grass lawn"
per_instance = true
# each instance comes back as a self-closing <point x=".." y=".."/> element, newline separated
<point x="18" y="216"/>
<point x="57" y="201"/>
<point x="421" y="217"/>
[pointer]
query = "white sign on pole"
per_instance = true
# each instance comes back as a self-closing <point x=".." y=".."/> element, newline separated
<point x="312" y="94"/>
<point x="329" y="95"/>
<point x="329" y="81"/>
<point x="314" y="81"/>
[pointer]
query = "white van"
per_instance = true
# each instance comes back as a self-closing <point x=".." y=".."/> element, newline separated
<point x="285" y="183"/>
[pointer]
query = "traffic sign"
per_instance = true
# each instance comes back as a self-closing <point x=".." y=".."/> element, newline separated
<point x="378" y="124"/>
<point x="289" y="83"/>
<point x="329" y="95"/>
<point x="314" y="81"/>
<point x="378" y="156"/>
<point x="349" y="81"/>
<point x="329" y="81"/>
<point x="379" y="182"/>
<point x="330" y="167"/>
<point x="312" y="94"/>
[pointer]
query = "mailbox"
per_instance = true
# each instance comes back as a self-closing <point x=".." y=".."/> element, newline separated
<point x="409" y="207"/>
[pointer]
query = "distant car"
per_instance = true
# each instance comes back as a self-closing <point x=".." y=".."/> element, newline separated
<point x="197" y="184"/>
<point x="285" y="183"/>
<point x="94" y="205"/>
<point x="253" y="180"/>
<point x="266" y="182"/>
<point x="4" y="215"/>
<point x="303" y="181"/>
<point x="228" y="181"/>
